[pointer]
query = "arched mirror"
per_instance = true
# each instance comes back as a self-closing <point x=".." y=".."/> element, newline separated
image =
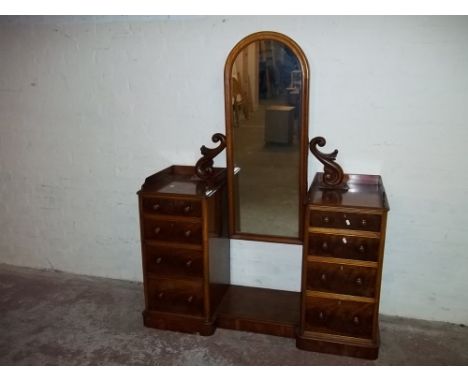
<point x="266" y="81"/>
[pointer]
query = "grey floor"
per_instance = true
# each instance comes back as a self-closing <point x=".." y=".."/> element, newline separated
<point x="54" y="318"/>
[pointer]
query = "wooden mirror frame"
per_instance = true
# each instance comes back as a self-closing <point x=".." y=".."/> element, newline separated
<point x="304" y="67"/>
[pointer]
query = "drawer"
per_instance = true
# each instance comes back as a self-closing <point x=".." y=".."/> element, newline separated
<point x="347" y="318"/>
<point x="343" y="279"/>
<point x="182" y="232"/>
<point x="344" y="246"/>
<point x="173" y="262"/>
<point x="165" y="206"/>
<point x="175" y="296"/>
<point x="345" y="220"/>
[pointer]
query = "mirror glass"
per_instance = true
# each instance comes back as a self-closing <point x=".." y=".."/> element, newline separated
<point x="266" y="93"/>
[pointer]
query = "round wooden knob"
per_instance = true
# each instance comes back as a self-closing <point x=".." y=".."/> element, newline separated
<point x="362" y="248"/>
<point x="188" y="264"/>
<point x="325" y="246"/>
<point x="158" y="260"/>
<point x="356" y="320"/>
<point x="187" y="233"/>
<point x="156" y="206"/>
<point x="190" y="299"/>
<point x="157" y="230"/>
<point x="321" y="316"/>
<point x="323" y="277"/>
<point x="359" y="281"/>
<point x="188" y="208"/>
<point x="160" y="295"/>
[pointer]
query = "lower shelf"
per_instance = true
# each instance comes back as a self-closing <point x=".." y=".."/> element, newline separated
<point x="260" y="310"/>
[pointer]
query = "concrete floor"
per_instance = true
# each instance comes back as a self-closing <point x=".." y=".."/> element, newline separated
<point x="55" y="318"/>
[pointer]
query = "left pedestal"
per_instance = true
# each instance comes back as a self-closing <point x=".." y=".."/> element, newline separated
<point x="185" y="249"/>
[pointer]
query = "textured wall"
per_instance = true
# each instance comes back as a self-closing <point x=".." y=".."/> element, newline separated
<point x="90" y="106"/>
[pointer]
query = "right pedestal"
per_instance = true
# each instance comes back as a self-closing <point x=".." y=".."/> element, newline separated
<point x="344" y="237"/>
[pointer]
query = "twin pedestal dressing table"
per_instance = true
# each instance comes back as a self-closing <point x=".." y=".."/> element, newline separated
<point x="189" y="214"/>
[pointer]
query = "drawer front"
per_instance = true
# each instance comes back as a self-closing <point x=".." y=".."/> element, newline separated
<point x="173" y="262"/>
<point x="188" y="233"/>
<point x="176" y="296"/>
<point x="345" y="220"/>
<point x="343" y="279"/>
<point x="177" y="207"/>
<point x="346" y="318"/>
<point x="344" y="246"/>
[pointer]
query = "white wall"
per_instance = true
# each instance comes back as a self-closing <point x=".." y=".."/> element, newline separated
<point x="90" y="106"/>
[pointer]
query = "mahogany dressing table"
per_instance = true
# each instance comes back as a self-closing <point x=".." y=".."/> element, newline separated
<point x="189" y="214"/>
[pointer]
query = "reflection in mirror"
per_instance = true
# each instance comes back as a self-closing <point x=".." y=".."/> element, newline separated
<point x="266" y="92"/>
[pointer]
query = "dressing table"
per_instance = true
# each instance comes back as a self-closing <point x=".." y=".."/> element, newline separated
<point x="189" y="214"/>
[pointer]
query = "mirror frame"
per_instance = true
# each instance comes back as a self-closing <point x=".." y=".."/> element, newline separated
<point x="304" y="128"/>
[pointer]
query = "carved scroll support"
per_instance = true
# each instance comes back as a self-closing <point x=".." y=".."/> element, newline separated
<point x="204" y="166"/>
<point x="333" y="176"/>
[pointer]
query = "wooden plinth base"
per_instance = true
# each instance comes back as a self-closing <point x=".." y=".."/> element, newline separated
<point x="266" y="311"/>
<point x="179" y="323"/>
<point x="347" y="346"/>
